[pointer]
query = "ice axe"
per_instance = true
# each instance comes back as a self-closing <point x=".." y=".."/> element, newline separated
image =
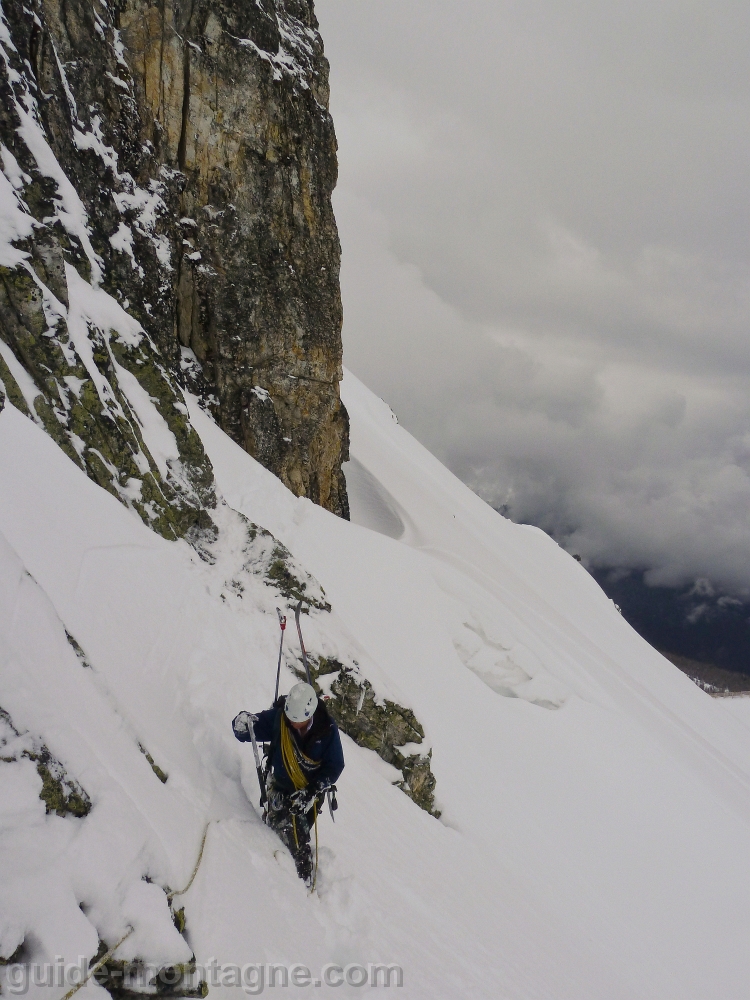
<point x="258" y="768"/>
<point x="282" y="626"/>
<point x="301" y="642"/>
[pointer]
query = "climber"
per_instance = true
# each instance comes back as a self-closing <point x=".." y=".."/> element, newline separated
<point x="305" y="758"/>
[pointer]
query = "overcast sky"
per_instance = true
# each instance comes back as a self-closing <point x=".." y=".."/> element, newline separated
<point x="545" y="218"/>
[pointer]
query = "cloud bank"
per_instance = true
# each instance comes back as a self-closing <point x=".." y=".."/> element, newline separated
<point x="545" y="225"/>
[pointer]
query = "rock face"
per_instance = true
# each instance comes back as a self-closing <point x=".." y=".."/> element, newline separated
<point x="236" y="99"/>
<point x="181" y="158"/>
<point x="393" y="732"/>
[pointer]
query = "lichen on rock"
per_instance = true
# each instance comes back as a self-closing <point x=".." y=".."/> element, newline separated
<point x="78" y="650"/>
<point x="377" y="724"/>
<point x="179" y="161"/>
<point x="134" y="979"/>
<point x="160" y="774"/>
<point x="60" y="793"/>
<point x="73" y="359"/>
<point x="283" y="574"/>
<point x="251" y="554"/>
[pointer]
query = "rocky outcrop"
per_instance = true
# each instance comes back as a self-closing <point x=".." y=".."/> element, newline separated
<point x="379" y="724"/>
<point x="179" y="157"/>
<point x="131" y="980"/>
<point x="60" y="793"/>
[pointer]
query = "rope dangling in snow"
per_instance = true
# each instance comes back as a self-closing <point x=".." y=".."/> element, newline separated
<point x="181" y="892"/>
<point x="170" y="896"/>
<point x="102" y="961"/>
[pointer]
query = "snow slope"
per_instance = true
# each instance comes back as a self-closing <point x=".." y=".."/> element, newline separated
<point x="595" y="808"/>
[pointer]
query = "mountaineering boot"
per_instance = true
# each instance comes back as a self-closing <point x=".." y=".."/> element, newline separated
<point x="303" y="861"/>
<point x="293" y="831"/>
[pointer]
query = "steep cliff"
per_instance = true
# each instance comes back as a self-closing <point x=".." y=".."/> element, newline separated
<point x="167" y="173"/>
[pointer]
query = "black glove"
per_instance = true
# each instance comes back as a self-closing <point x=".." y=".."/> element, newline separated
<point x="240" y="724"/>
<point x="300" y="802"/>
<point x="325" y="788"/>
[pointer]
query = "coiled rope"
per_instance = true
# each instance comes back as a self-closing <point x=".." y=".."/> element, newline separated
<point x="295" y="761"/>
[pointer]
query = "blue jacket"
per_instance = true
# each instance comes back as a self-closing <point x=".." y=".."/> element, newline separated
<point x="321" y="742"/>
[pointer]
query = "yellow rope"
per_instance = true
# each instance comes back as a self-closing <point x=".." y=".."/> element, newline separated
<point x="299" y="781"/>
<point x="289" y="757"/>
<point x="315" y="821"/>
<point x="170" y="897"/>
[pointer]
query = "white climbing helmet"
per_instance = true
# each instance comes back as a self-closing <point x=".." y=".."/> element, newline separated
<point x="301" y="702"/>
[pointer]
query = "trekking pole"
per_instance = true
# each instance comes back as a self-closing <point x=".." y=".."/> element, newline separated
<point x="257" y="763"/>
<point x="282" y="626"/>
<point x="301" y="642"/>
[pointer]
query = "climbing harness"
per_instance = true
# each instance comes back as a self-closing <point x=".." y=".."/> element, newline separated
<point x="282" y="626"/>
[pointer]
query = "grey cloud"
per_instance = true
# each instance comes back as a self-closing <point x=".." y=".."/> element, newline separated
<point x="546" y="245"/>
